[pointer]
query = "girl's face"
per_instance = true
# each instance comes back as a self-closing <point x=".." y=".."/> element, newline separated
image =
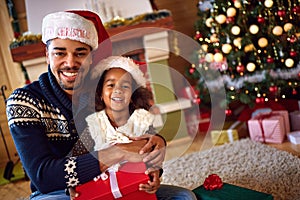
<point x="117" y="90"/>
<point x="69" y="60"/>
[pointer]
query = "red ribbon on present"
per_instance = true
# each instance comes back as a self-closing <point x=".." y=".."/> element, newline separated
<point x="213" y="182"/>
<point x="260" y="117"/>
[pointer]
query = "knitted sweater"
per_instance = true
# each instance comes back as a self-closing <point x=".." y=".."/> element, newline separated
<point x="42" y="125"/>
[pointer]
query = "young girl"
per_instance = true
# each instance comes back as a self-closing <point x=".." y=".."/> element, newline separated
<point x="122" y="105"/>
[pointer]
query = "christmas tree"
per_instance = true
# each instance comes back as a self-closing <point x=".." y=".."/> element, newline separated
<point x="253" y="45"/>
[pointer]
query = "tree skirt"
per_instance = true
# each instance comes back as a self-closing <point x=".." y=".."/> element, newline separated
<point x="244" y="163"/>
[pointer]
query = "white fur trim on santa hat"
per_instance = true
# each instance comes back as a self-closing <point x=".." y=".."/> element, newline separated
<point x="67" y="25"/>
<point x="119" y="62"/>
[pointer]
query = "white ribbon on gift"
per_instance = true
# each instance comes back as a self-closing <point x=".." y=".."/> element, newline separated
<point x="230" y="135"/>
<point x="115" y="190"/>
<point x="229" y="131"/>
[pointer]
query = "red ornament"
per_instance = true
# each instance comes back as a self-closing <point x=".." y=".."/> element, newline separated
<point x="197" y="100"/>
<point x="293" y="53"/>
<point x="192" y="70"/>
<point x="240" y="68"/>
<point x="259" y="100"/>
<point x="198" y="36"/>
<point x="270" y="59"/>
<point x="260" y="19"/>
<point x="294" y="92"/>
<point x="281" y="13"/>
<point x="273" y="89"/>
<point x="296" y="9"/>
<point x="228" y="112"/>
<point x="292" y="39"/>
<point x="229" y="20"/>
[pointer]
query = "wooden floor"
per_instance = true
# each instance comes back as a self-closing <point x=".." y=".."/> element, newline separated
<point x="20" y="190"/>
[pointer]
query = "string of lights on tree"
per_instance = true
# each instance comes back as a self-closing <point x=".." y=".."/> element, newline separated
<point x="254" y="45"/>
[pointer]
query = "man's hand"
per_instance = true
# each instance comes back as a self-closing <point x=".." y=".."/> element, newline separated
<point x="121" y="152"/>
<point x="155" y="149"/>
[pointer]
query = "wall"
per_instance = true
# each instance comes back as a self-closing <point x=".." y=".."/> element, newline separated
<point x="10" y="75"/>
<point x="184" y="16"/>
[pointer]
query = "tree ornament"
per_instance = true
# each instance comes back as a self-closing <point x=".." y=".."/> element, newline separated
<point x="268" y="3"/>
<point x="221" y="19"/>
<point x="235" y="30"/>
<point x="273" y="89"/>
<point x="237" y="4"/>
<point x="249" y="47"/>
<point x="292" y="39"/>
<point x="260" y="19"/>
<point x="231" y="12"/>
<point x="281" y="13"/>
<point x="296" y="9"/>
<point x="197" y="100"/>
<point x="209" y="22"/>
<point x="287" y="27"/>
<point x="259" y="100"/>
<point x="237" y="42"/>
<point x="263" y="42"/>
<point x="277" y="30"/>
<point x="294" y="92"/>
<point x="204" y="47"/>
<point x="214" y="38"/>
<point x="218" y="57"/>
<point x="209" y="57"/>
<point x="253" y="29"/>
<point x="226" y="48"/>
<point x="191" y="70"/>
<point x="251" y="67"/>
<point x="229" y="20"/>
<point x="289" y="62"/>
<point x="240" y="68"/>
<point x="293" y="53"/>
<point x="228" y="112"/>
<point x="270" y="59"/>
<point x="198" y="35"/>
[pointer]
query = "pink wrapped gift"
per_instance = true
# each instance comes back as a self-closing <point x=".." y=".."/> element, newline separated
<point x="285" y="115"/>
<point x="268" y="127"/>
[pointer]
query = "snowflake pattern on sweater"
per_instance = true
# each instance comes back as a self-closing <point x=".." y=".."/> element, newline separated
<point x="41" y="122"/>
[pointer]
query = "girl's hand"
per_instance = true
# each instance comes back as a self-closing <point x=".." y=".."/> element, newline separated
<point x="73" y="193"/>
<point x="154" y="182"/>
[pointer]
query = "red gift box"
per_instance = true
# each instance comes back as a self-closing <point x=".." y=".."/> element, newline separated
<point x="125" y="181"/>
<point x="269" y="127"/>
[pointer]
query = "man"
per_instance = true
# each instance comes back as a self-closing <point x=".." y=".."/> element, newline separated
<point x="42" y="117"/>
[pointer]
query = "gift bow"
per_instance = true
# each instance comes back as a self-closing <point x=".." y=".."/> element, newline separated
<point x="213" y="182"/>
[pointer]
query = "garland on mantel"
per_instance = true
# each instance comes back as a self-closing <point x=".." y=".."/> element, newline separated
<point x="25" y="39"/>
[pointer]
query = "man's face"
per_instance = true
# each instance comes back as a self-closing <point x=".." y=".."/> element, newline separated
<point x="69" y="60"/>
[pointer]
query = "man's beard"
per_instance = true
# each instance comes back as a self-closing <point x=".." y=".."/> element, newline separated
<point x="74" y="87"/>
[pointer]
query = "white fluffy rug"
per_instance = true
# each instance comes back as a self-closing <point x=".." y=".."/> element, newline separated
<point x="244" y="163"/>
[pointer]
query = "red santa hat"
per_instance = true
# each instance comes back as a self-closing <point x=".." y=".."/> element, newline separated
<point x="80" y="25"/>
